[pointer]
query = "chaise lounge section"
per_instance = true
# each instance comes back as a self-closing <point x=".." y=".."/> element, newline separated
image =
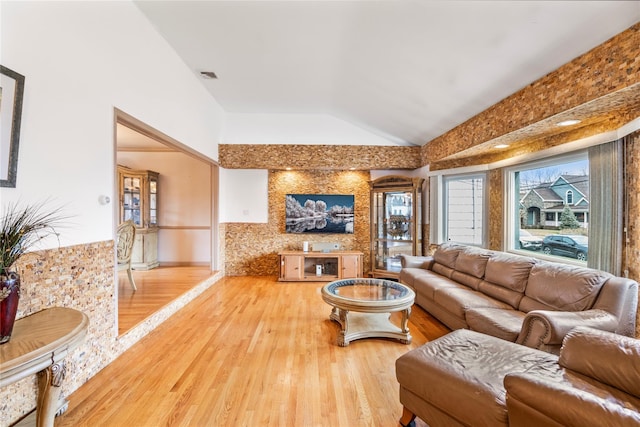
<point x="466" y="378"/>
<point x="519" y="299"/>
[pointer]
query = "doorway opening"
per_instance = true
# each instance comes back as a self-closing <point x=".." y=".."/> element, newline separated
<point x="183" y="251"/>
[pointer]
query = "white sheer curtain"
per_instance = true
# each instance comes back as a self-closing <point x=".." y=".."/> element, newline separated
<point x="606" y="188"/>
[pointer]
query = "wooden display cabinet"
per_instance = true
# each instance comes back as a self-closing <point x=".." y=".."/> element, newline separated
<point x="296" y="266"/>
<point x="139" y="203"/>
<point x="396" y="223"/>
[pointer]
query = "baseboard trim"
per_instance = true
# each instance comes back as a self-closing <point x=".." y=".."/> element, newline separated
<point x="184" y="264"/>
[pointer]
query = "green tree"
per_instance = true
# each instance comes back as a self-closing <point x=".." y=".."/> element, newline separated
<point x="568" y="219"/>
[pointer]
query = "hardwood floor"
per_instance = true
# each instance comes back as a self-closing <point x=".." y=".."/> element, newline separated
<point x="156" y="288"/>
<point x="250" y="351"/>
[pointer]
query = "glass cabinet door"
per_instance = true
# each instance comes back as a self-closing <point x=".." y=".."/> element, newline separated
<point x="395" y="223"/>
<point x="139" y="203"/>
<point x="153" y="201"/>
<point x="138" y="196"/>
<point x="131" y="200"/>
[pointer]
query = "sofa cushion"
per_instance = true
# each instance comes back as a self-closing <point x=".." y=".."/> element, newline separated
<point x="572" y="400"/>
<point x="409" y="275"/>
<point x="416" y="261"/>
<point x="497" y="322"/>
<point x="446" y="254"/>
<point x="458" y="300"/>
<point x="442" y="269"/>
<point x="554" y="286"/>
<point x="466" y="279"/>
<point x="472" y="261"/>
<point x="509" y="271"/>
<point x="427" y="284"/>
<point x="506" y="295"/>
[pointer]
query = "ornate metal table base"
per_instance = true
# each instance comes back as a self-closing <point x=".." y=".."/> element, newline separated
<point x="354" y="326"/>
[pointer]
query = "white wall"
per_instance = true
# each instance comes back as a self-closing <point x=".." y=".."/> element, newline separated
<point x="297" y="129"/>
<point x="80" y="60"/>
<point x="184" y="204"/>
<point x="244" y="195"/>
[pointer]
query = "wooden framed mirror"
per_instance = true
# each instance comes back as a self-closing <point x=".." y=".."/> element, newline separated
<point x="11" y="93"/>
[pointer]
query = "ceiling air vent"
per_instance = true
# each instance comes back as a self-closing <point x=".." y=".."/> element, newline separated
<point x="208" y="74"/>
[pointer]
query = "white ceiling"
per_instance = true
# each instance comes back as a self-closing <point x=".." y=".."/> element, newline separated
<point x="406" y="70"/>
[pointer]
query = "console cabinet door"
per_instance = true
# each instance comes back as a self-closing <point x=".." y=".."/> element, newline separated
<point x="351" y="266"/>
<point x="291" y="267"/>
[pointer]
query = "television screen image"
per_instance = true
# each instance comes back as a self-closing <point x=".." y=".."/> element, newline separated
<point x="319" y="213"/>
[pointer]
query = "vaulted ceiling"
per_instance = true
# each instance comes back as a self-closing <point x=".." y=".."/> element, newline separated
<point x="406" y="70"/>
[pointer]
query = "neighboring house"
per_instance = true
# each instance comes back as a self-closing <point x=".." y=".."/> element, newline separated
<point x="541" y="206"/>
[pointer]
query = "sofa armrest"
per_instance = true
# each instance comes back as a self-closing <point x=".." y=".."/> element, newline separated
<point x="542" y="328"/>
<point x="411" y="261"/>
<point x="609" y="358"/>
<point x="619" y="296"/>
<point x="533" y="400"/>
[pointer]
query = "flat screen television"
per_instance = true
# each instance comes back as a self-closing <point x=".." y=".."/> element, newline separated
<point x="319" y="213"/>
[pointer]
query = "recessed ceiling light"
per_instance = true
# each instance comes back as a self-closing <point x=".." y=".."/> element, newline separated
<point x="288" y="169"/>
<point x="569" y="122"/>
<point x="208" y="75"/>
<point x="501" y="146"/>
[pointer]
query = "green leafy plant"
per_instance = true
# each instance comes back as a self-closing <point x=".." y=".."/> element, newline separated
<point x="22" y="227"/>
<point x="568" y="219"/>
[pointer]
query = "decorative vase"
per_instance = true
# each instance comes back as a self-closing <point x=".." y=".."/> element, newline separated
<point x="9" y="297"/>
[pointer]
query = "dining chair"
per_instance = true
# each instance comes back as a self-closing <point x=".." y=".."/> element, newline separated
<point x="124" y="248"/>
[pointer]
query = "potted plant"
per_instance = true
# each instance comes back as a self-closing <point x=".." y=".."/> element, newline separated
<point x="20" y="230"/>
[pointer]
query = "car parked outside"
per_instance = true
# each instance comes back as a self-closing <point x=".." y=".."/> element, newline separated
<point x="564" y="245"/>
<point x="529" y="241"/>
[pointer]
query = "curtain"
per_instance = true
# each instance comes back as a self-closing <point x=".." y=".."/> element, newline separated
<point x="606" y="188"/>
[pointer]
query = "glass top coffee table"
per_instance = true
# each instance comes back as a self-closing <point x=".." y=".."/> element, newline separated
<point x="363" y="306"/>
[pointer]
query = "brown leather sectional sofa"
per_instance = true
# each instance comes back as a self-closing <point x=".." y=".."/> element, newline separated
<point x="470" y="379"/>
<point x="517" y="298"/>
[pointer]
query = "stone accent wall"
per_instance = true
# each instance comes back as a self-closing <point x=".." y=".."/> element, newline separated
<point x="631" y="260"/>
<point x="610" y="67"/>
<point x="532" y="145"/>
<point x="496" y="208"/>
<point x="252" y="249"/>
<point x="318" y="157"/>
<point x="80" y="277"/>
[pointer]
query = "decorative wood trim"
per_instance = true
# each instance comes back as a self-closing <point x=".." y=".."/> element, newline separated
<point x="150" y="132"/>
<point x="184" y="264"/>
<point x="184" y="227"/>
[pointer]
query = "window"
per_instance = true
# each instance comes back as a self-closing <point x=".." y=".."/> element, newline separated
<point x="550" y="207"/>
<point x="569" y="198"/>
<point x="464" y="209"/>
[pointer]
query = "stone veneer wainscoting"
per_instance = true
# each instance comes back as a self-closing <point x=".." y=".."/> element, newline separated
<point x="80" y="277"/>
<point x="252" y="249"/>
<point x="632" y="182"/>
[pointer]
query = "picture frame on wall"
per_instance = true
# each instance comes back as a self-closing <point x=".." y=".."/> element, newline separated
<point x="11" y="96"/>
<point x="320" y="213"/>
